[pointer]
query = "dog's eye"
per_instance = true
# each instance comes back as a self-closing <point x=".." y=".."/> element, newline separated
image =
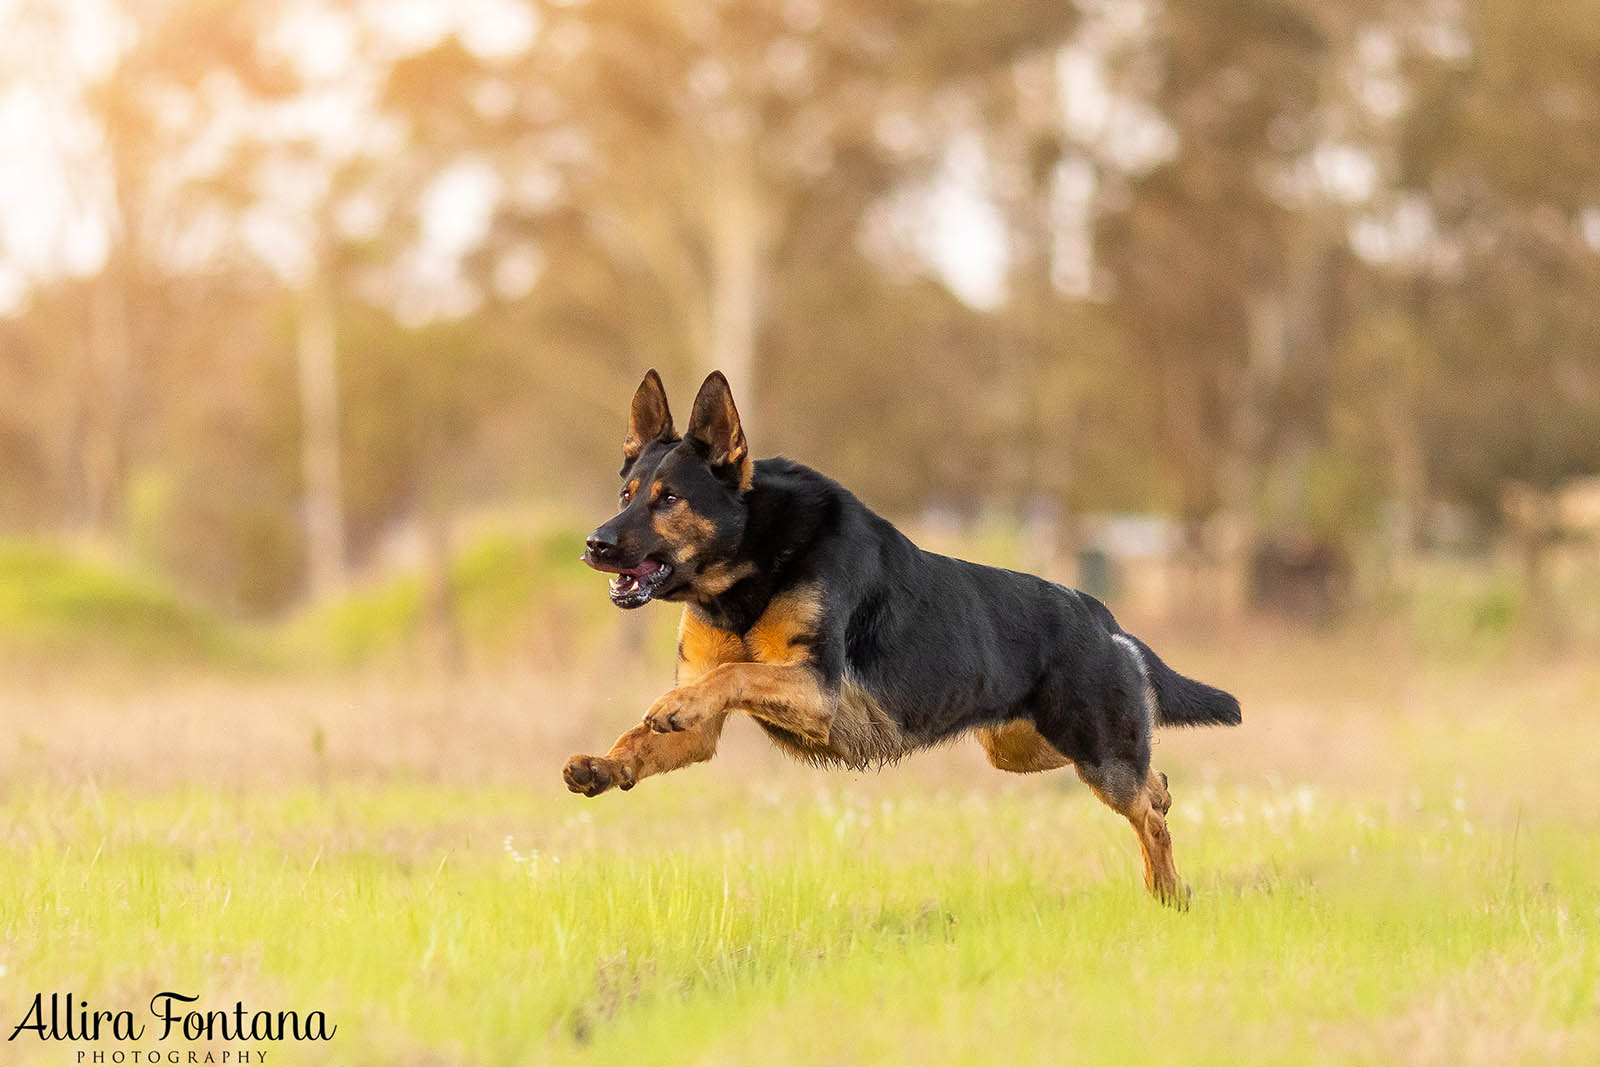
<point x="669" y="498"/>
<point x="626" y="495"/>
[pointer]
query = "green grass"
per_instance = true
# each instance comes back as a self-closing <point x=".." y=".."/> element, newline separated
<point x="1395" y="860"/>
<point x="57" y="602"/>
<point x="511" y="589"/>
<point x="492" y="925"/>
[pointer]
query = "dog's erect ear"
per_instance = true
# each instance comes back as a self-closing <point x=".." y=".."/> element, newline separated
<point x="649" y="419"/>
<point x="715" y="424"/>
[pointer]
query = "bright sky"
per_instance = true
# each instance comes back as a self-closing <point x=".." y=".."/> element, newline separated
<point x="49" y="221"/>
<point x="50" y="225"/>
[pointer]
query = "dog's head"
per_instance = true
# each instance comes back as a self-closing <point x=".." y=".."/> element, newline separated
<point x="682" y="511"/>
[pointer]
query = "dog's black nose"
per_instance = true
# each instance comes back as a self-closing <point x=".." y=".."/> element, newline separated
<point x="601" y="546"/>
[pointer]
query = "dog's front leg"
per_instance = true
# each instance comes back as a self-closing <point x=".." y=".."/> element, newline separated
<point x="790" y="697"/>
<point x="639" y="753"/>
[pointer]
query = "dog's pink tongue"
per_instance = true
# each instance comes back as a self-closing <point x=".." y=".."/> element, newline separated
<point x="649" y="566"/>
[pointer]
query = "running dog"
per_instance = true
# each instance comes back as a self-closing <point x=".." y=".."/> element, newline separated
<point x="850" y="646"/>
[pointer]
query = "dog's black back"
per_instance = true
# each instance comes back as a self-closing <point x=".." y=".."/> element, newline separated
<point x="942" y="645"/>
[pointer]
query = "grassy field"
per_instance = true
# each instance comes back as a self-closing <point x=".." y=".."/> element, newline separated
<point x="1396" y="860"/>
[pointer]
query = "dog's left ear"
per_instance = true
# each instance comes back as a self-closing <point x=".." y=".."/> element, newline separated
<point x="714" y="423"/>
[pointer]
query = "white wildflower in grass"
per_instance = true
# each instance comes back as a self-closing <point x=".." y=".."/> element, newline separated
<point x="1305" y="799"/>
<point x="516" y="857"/>
<point x="530" y="860"/>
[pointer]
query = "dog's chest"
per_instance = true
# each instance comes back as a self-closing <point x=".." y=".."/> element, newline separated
<point x="862" y="734"/>
<point x="785" y="633"/>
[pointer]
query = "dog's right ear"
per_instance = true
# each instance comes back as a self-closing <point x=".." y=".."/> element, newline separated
<point x="649" y="419"/>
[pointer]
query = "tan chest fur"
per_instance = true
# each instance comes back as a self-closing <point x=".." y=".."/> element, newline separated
<point x="862" y="733"/>
<point x="782" y="635"/>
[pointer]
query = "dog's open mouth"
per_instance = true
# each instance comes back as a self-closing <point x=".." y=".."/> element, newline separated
<point x="632" y="587"/>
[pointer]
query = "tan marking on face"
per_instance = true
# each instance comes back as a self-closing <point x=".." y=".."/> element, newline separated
<point x="702" y="647"/>
<point x="683" y="528"/>
<point x="781" y="634"/>
<point x="1018" y="747"/>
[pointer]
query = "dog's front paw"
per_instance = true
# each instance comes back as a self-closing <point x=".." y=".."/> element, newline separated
<point x="678" y="710"/>
<point x="593" y="775"/>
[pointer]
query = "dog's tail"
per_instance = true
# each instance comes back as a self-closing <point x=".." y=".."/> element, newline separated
<point x="1183" y="701"/>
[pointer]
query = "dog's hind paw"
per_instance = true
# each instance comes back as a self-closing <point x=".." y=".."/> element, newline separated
<point x="593" y="775"/>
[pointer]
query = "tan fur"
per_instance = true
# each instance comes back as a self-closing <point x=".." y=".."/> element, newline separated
<point x="681" y="527"/>
<point x="1147" y="812"/>
<point x="790" y="698"/>
<point x="762" y="673"/>
<point x="648" y="416"/>
<point x="719" y="577"/>
<point x="1020" y="748"/>
<point x="702" y="646"/>
<point x="784" y="631"/>
<point x="862" y="734"/>
<point x="767" y="674"/>
<point x="642" y="752"/>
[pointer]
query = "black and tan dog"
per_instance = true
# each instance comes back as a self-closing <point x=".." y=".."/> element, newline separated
<point x="851" y="646"/>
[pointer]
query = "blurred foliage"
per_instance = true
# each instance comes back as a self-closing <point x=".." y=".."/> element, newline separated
<point x="1304" y="267"/>
<point x="67" y="605"/>
<point x="518" y="595"/>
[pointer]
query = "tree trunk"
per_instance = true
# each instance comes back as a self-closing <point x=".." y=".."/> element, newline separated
<point x="736" y="263"/>
<point x="1542" y="610"/>
<point x="318" y="366"/>
<point x="440" y="619"/>
<point x="104" y="419"/>
<point x="1535" y="525"/>
<point x="1409" y="474"/>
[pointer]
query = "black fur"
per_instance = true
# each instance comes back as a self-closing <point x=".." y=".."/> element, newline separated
<point x="941" y="644"/>
<point x="850" y="645"/>
<point x="945" y="645"/>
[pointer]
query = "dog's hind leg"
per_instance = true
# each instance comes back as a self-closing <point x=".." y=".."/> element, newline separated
<point x="1145" y="805"/>
<point x="1018" y="747"/>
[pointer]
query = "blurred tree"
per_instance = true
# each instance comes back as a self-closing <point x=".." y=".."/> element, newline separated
<point x="1195" y="245"/>
<point x="1498" y="147"/>
<point x="1340" y="254"/>
<point x="689" y="142"/>
<point x="146" y="111"/>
